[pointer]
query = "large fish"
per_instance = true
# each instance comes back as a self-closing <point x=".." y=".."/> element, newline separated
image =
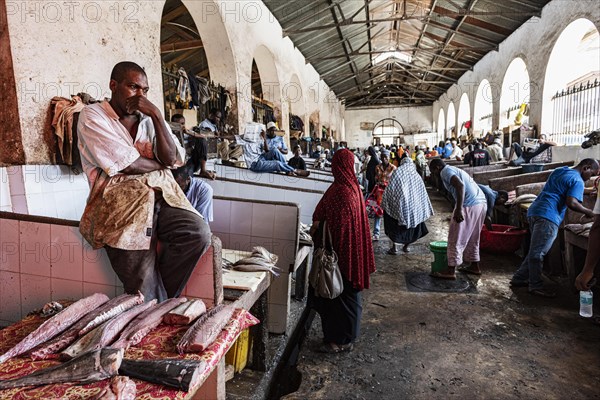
<point x="185" y="313"/>
<point x="87" y="368"/>
<point x="179" y="374"/>
<point x="56" y="324"/>
<point x="145" y="322"/>
<point x="85" y="324"/>
<point x="104" y="335"/>
<point x="259" y="260"/>
<point x="205" y="330"/>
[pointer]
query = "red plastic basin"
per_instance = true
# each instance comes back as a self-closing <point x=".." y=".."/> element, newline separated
<point x="503" y="239"/>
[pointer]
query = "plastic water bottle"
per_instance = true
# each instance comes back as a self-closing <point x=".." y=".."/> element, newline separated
<point x="586" y="300"/>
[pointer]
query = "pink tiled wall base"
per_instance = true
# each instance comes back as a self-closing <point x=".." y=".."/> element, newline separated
<point x="201" y="283"/>
<point x="42" y="262"/>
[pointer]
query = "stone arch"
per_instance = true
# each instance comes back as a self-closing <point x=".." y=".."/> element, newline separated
<point x="451" y="120"/>
<point x="573" y="61"/>
<point x="269" y="80"/>
<point x="441" y="128"/>
<point x="483" y="107"/>
<point x="293" y="94"/>
<point x="464" y="112"/>
<point x="515" y="91"/>
<point x="217" y="45"/>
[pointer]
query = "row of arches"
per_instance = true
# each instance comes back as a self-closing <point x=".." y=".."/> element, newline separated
<point x="188" y="23"/>
<point x="573" y="60"/>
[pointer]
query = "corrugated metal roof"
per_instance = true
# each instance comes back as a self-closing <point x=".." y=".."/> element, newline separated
<point x="444" y="39"/>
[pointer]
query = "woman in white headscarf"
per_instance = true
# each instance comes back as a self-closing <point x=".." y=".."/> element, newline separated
<point x="406" y="206"/>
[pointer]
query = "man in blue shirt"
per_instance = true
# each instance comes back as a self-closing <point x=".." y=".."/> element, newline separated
<point x="467" y="219"/>
<point x="447" y="149"/>
<point x="564" y="188"/>
<point x="274" y="141"/>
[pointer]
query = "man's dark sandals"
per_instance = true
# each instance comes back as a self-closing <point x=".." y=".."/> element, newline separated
<point x="331" y="348"/>
<point x="467" y="270"/>
<point x="515" y="284"/>
<point x="543" y="293"/>
<point x="440" y="275"/>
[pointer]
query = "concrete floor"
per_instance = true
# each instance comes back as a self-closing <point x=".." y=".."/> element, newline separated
<point x="493" y="344"/>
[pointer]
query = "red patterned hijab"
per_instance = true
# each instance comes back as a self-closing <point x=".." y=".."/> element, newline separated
<point x="343" y="207"/>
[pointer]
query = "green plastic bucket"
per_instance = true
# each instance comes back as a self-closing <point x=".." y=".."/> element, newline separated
<point x="440" y="259"/>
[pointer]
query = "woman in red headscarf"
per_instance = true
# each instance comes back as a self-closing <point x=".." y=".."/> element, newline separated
<point x="343" y="207"/>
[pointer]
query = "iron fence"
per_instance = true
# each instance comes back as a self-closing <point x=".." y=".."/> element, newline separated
<point x="576" y="112"/>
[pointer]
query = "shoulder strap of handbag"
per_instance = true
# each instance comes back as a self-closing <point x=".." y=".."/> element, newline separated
<point x="326" y="236"/>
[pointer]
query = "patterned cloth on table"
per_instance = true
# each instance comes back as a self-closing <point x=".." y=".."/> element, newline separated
<point x="159" y="343"/>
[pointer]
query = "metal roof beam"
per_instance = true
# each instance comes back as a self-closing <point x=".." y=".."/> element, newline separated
<point x="176" y="12"/>
<point x="311" y="14"/>
<point x="462" y="33"/>
<point x="467" y="17"/>
<point x="439" y="10"/>
<point x="368" y="53"/>
<point x="329" y="47"/>
<point x="345" y="45"/>
<point x="180" y="46"/>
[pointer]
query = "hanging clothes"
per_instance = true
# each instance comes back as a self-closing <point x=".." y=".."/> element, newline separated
<point x="65" y="115"/>
<point x="203" y="90"/>
<point x="183" y="85"/>
<point x="194" y="90"/>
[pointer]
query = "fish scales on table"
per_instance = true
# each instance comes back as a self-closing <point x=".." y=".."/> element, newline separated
<point x="106" y="333"/>
<point x="120" y="388"/>
<point x="87" y="368"/>
<point x="91" y="320"/>
<point x="145" y="322"/>
<point x="205" y="330"/>
<point x="56" y="325"/>
<point x="185" y="313"/>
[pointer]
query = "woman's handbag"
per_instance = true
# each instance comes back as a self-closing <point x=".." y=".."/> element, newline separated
<point x="325" y="276"/>
<point x="373" y="202"/>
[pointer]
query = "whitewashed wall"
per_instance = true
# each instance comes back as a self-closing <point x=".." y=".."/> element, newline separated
<point x="412" y="119"/>
<point x="72" y="47"/>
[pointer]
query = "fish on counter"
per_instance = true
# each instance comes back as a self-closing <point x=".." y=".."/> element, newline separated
<point x="178" y="374"/>
<point x="121" y="388"/>
<point x="106" y="333"/>
<point x="185" y="313"/>
<point x="205" y="330"/>
<point x="145" y="322"/>
<point x="87" y="368"/>
<point x="56" y="325"/>
<point x="94" y="318"/>
<point x="260" y="260"/>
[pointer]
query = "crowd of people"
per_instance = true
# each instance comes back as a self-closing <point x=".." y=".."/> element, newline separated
<point x="142" y="190"/>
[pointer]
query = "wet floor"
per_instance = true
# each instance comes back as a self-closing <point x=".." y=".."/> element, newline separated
<point x="491" y="343"/>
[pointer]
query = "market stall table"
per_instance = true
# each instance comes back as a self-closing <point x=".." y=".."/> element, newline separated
<point x="158" y="344"/>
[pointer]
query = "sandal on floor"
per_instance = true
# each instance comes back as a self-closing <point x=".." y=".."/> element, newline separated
<point x="543" y="293"/>
<point x="392" y="252"/>
<point x="518" y="284"/>
<point x="466" y="270"/>
<point x="331" y="348"/>
<point x="439" y="275"/>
